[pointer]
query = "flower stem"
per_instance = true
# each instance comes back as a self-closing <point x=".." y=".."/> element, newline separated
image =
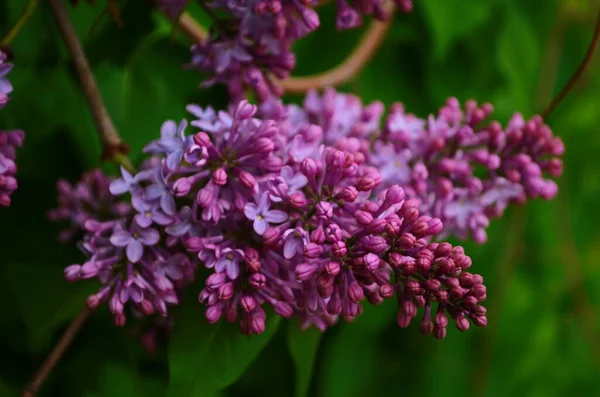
<point x="582" y="66"/>
<point x="25" y="14"/>
<point x="56" y="354"/>
<point x="352" y="65"/>
<point x="113" y="147"/>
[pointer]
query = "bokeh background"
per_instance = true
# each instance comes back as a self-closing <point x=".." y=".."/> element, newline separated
<point x="541" y="264"/>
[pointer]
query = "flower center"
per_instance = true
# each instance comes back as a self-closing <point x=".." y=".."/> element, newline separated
<point x="148" y="214"/>
<point x="136" y="235"/>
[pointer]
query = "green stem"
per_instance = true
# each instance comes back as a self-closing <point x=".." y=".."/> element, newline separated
<point x="25" y="14"/>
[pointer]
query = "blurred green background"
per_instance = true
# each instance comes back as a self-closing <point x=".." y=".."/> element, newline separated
<point x="541" y="263"/>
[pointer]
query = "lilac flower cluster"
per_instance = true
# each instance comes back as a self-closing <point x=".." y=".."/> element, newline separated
<point x="252" y="45"/>
<point x="121" y="246"/>
<point x="461" y="168"/>
<point x="297" y="208"/>
<point x="9" y="140"/>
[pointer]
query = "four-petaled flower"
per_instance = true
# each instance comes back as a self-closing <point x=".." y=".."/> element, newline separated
<point x="261" y="215"/>
<point x="128" y="182"/>
<point x="134" y="241"/>
<point x="229" y="262"/>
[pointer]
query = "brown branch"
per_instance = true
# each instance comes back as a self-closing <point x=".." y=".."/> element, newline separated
<point x="56" y="354"/>
<point x="582" y="66"/>
<point x="192" y="28"/>
<point x="25" y="15"/>
<point x="350" y="67"/>
<point x="111" y="141"/>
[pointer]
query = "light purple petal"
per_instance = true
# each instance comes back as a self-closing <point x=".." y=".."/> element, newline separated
<point x="260" y="226"/>
<point x="221" y="264"/>
<point x="168" y="129"/>
<point x="154" y="191"/>
<point x="233" y="270"/>
<point x="251" y="211"/>
<point x="178" y="229"/>
<point x="139" y="204"/>
<point x="263" y="203"/>
<point x="149" y="237"/>
<point x="275" y="216"/>
<point x="181" y="129"/>
<point x="5" y="86"/>
<point x="142" y="220"/>
<point x="118" y="186"/>
<point x="120" y="238"/>
<point x="287" y="173"/>
<point x="135" y="250"/>
<point x="161" y="218"/>
<point x="136" y="293"/>
<point x="289" y="248"/>
<point x="174" y="159"/>
<point x="124" y="295"/>
<point x="167" y="203"/>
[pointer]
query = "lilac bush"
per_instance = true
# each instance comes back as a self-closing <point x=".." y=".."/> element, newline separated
<point x="310" y="210"/>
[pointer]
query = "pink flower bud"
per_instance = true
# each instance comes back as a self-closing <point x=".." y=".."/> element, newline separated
<point x="312" y="250"/>
<point x="304" y="271"/>
<point x="365" y="184"/>
<point x="363" y="218"/>
<point x="181" y="187"/>
<point x="318" y="236"/>
<point x="72" y="272"/>
<point x="355" y="293"/>
<point x="271" y="236"/>
<point x="219" y="177"/>
<point x="283" y="309"/>
<point x="348" y="194"/>
<point x="309" y="167"/>
<point x="225" y="292"/>
<point x="297" y="200"/>
<point x="387" y="291"/>
<point x="332" y="268"/>
<point x="338" y="249"/>
<point x="462" y="323"/>
<point x="247" y="179"/>
<point x="372" y="261"/>
<point x="248" y="304"/>
<point x="324" y="210"/>
<point x="213" y="314"/>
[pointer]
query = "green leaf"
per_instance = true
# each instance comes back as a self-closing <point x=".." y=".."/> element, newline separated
<point x="519" y="59"/>
<point x="45" y="299"/>
<point x="451" y="20"/>
<point x="204" y="358"/>
<point x="303" y="347"/>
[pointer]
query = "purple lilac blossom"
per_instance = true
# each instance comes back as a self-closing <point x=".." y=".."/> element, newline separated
<point x="299" y="209"/>
<point x="462" y="169"/>
<point x="10" y="140"/>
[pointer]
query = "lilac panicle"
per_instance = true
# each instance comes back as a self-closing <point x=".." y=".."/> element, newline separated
<point x="126" y="245"/>
<point x="9" y="140"/>
<point x="312" y="210"/>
